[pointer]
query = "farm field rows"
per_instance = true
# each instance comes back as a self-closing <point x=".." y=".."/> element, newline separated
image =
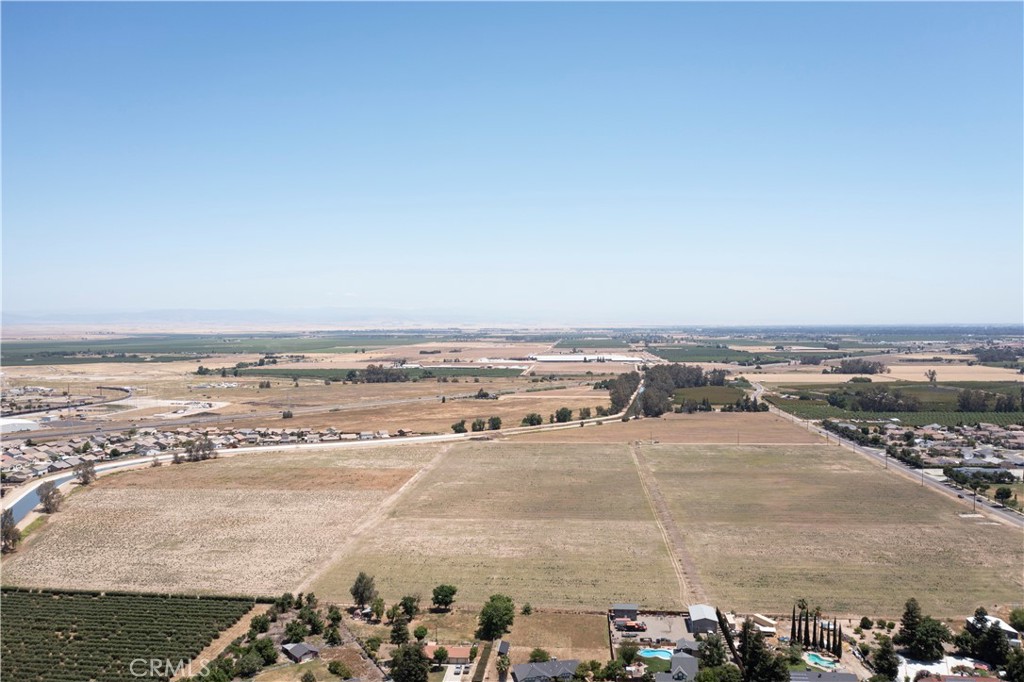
<point x="557" y="526"/>
<point x="767" y="524"/>
<point x="55" y="637"/>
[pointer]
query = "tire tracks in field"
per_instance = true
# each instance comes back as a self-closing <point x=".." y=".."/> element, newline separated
<point x="372" y="519"/>
<point x="690" y="588"/>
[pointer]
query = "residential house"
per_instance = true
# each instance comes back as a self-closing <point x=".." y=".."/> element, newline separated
<point x="545" y="672"/>
<point x="681" y="667"/>
<point x="300" y="652"/>
<point x="820" y="676"/>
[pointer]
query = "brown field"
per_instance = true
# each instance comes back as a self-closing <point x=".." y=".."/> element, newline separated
<point x="766" y="525"/>
<point x="558" y="526"/>
<point x="700" y="427"/>
<point x="253" y="524"/>
<point x="430" y="415"/>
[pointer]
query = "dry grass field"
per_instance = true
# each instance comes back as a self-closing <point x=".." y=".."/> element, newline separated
<point x="252" y="524"/>
<point x="766" y="525"/>
<point x="700" y="427"/>
<point x="557" y="526"/>
<point x="430" y="415"/>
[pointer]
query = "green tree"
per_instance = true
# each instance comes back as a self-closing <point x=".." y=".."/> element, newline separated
<point x="10" y="536"/>
<point x="527" y="609"/>
<point x="628" y="652"/>
<point x="444" y="596"/>
<point x="1017" y="619"/>
<point x="332" y="636"/>
<point x="459" y="426"/>
<point x="260" y="623"/>
<point x="932" y="376"/>
<point x="496" y="617"/>
<point x="478" y="425"/>
<point x="1014" y="668"/>
<point x="884" y="659"/>
<point x="248" y="665"/>
<point x="494" y="423"/>
<point x="440" y="656"/>
<point x="563" y="414"/>
<point x="409" y="664"/>
<point x="400" y="630"/>
<point x="759" y="663"/>
<point x="909" y="623"/>
<point x="363" y="590"/>
<point x="532" y="419"/>
<point x="85" y="472"/>
<point x="295" y="631"/>
<point x="539" y="655"/>
<point x="410" y="605"/>
<point x="1003" y="494"/>
<point x="377" y="607"/>
<point x="712" y="651"/>
<point x="334" y="615"/>
<point x="503" y="664"/>
<point x="50" y="497"/>
<point x="420" y="633"/>
<point x="339" y="669"/>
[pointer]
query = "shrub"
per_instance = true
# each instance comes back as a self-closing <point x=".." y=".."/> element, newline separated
<point x="865" y="623"/>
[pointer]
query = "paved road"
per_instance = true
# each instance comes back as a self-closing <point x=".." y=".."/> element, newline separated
<point x="998" y="513"/>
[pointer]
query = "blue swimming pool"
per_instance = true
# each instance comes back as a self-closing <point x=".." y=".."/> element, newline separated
<point x="819" y="661"/>
<point x="656" y="653"/>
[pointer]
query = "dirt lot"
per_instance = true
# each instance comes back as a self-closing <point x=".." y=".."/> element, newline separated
<point x="700" y="427"/>
<point x="558" y="526"/>
<point x="769" y="524"/>
<point x="251" y="524"/>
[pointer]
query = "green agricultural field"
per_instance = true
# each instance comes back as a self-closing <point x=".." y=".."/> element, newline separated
<point x="716" y="395"/>
<point x="818" y="409"/>
<point x="76" y="636"/>
<point x="66" y="352"/>
<point x="768" y="524"/>
<point x="702" y="354"/>
<point x="592" y="343"/>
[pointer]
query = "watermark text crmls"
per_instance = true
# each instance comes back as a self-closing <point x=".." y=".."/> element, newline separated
<point x="166" y="668"/>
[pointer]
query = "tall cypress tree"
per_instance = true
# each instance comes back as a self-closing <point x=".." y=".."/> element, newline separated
<point x="807" y="630"/>
<point x="838" y="650"/>
<point x="828" y="640"/>
<point x="814" y="633"/>
<point x="792" y="626"/>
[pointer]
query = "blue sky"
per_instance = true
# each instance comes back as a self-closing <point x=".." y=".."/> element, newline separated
<point x="575" y="163"/>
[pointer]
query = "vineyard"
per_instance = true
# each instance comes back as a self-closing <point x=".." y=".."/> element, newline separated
<point x="81" y="636"/>
<point x="809" y="409"/>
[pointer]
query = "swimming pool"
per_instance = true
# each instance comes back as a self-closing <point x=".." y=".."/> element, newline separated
<point x="818" y="660"/>
<point x="656" y="653"/>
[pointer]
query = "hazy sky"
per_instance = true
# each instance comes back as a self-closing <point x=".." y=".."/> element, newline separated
<point x="580" y="163"/>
